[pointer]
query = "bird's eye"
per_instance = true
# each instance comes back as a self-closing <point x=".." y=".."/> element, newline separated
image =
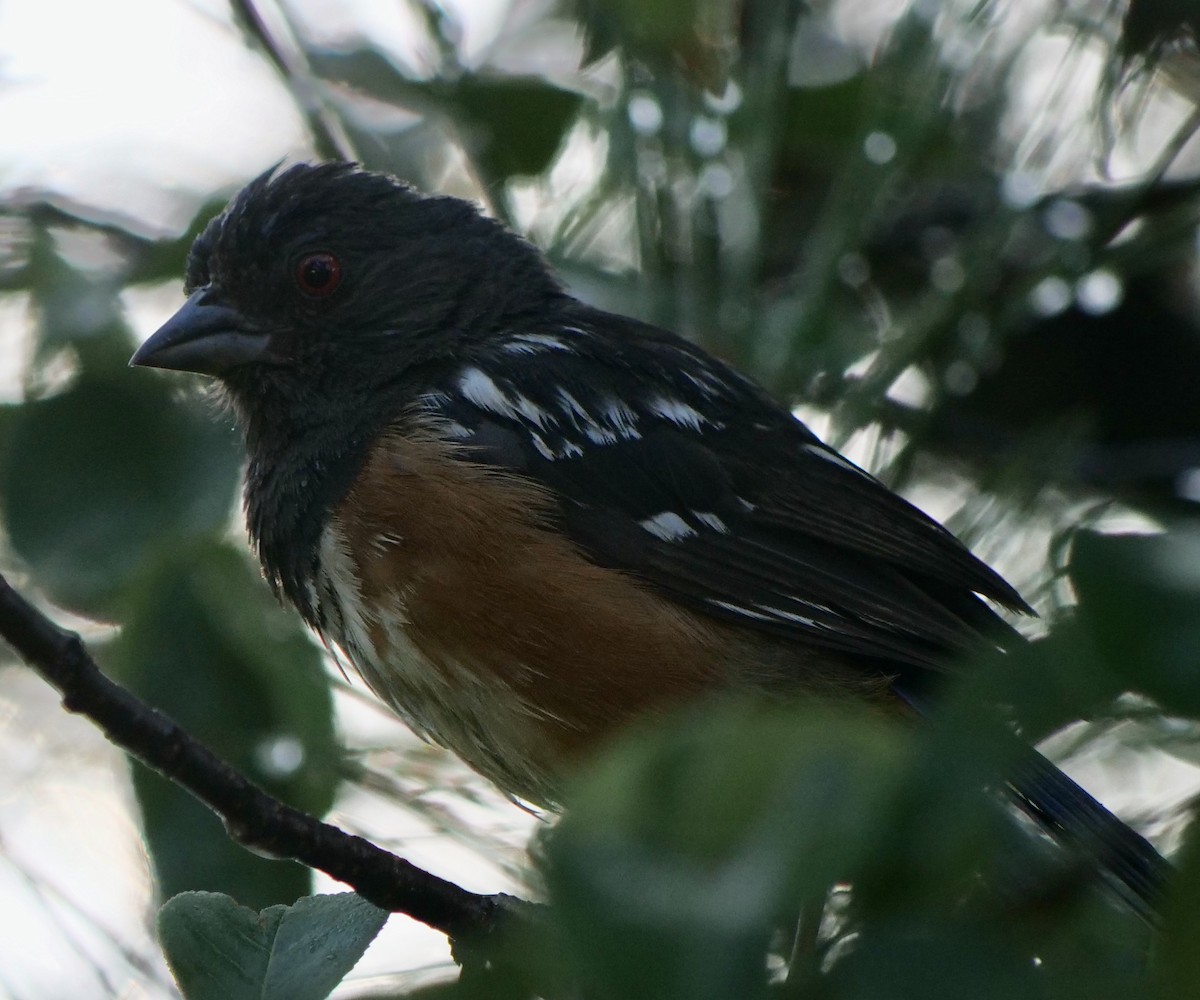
<point x="318" y="274"/>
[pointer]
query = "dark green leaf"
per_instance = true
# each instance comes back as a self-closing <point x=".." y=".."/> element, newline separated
<point x="204" y="641"/>
<point x="1150" y="26"/>
<point x="686" y="846"/>
<point x="1179" y="960"/>
<point x="98" y="478"/>
<point x="1139" y="596"/>
<point x="512" y="125"/>
<point x="914" y="962"/>
<point x="695" y="36"/>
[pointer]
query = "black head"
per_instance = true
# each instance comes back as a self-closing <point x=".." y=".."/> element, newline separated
<point x="319" y="276"/>
<point x="314" y="299"/>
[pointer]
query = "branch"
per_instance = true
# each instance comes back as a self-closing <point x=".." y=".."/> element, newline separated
<point x="252" y="817"/>
<point x="329" y="135"/>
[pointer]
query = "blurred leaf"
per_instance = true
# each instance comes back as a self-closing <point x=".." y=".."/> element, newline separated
<point x="204" y="641"/>
<point x="1151" y="25"/>
<point x="512" y="125"/>
<point x="686" y="846"/>
<point x="697" y="36"/>
<point x="911" y="961"/>
<point x="219" y="950"/>
<point x="143" y="260"/>
<point x="98" y="478"/>
<point x="1139" y="595"/>
<point x="1043" y="685"/>
<point x="686" y="849"/>
<point x="73" y="306"/>
<point x="1178" y="967"/>
<point x="165" y="260"/>
<point x="819" y="122"/>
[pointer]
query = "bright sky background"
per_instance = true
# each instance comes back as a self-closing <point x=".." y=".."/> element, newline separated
<point x="134" y="91"/>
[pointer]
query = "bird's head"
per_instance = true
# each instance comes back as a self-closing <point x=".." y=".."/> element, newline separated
<point x="318" y="279"/>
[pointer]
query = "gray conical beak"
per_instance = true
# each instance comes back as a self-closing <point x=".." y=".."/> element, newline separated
<point x="204" y="336"/>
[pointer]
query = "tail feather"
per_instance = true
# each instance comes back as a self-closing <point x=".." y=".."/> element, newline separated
<point x="1073" y="817"/>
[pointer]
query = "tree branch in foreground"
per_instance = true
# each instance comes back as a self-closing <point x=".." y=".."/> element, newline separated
<point x="252" y="817"/>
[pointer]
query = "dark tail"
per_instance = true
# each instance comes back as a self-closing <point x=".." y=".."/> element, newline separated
<point x="1120" y="855"/>
<point x="1073" y="817"/>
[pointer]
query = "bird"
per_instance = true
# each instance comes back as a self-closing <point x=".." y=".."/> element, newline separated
<point x="527" y="522"/>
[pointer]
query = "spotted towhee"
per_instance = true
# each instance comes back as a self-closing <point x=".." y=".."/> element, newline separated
<point x="526" y="521"/>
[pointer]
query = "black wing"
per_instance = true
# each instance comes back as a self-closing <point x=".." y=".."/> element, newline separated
<point x="671" y="466"/>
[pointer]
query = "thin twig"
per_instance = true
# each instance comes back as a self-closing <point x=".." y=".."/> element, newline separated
<point x="252" y="817"/>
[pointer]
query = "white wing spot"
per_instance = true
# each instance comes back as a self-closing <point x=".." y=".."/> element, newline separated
<point x="519" y="347"/>
<point x="737" y="609"/>
<point x="677" y="412"/>
<point x="541" y="340"/>
<point x="579" y="417"/>
<point x="788" y="616"/>
<point x="532" y="412"/>
<point x="711" y="520"/>
<point x="573" y="407"/>
<point x="668" y="526"/>
<point x="709" y="384"/>
<point x="621" y="418"/>
<point x="599" y="435"/>
<point x="478" y="387"/>
<point x="543" y="449"/>
<point x="831" y="456"/>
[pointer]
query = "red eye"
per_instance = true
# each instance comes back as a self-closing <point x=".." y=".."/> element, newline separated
<point x="318" y="274"/>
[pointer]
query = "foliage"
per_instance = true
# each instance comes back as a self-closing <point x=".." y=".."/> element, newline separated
<point x="221" y="951"/>
<point x="878" y="214"/>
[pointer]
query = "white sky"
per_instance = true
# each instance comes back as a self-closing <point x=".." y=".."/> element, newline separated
<point x="137" y="96"/>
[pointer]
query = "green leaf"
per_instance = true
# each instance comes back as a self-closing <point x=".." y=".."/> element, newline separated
<point x="96" y="479"/>
<point x="219" y="950"/>
<point x="683" y="850"/>
<point x="698" y="37"/>
<point x="513" y="125"/>
<point x="1178" y="966"/>
<point x="821" y="125"/>
<point x="1151" y="26"/>
<point x="510" y="124"/>
<point x="688" y="848"/>
<point x="165" y="260"/>
<point x="1139" y="597"/>
<point x="73" y="305"/>
<point x="204" y="641"/>
<point x="914" y="962"/>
